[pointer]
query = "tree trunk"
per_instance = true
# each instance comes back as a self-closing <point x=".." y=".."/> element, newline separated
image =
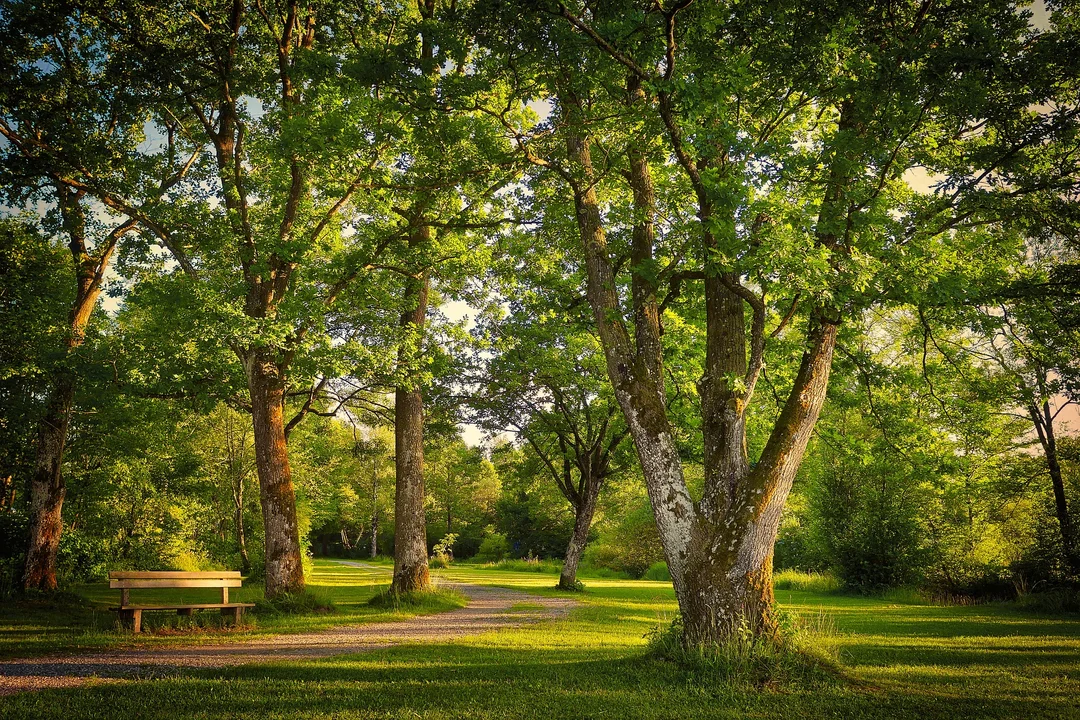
<point x="719" y="552"/>
<point x="241" y="538"/>
<point x="410" y="535"/>
<point x="583" y="516"/>
<point x="266" y="383"/>
<point x="634" y="387"/>
<point x="374" y="508"/>
<point x="728" y="587"/>
<point x="7" y="488"/>
<point x="1044" y="424"/>
<point x="47" y="485"/>
<point x="47" y="488"/>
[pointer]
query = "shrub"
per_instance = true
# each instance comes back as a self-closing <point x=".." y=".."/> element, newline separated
<point x="305" y="602"/>
<point x="443" y="553"/>
<point x="530" y="563"/>
<point x="437" y="598"/>
<point x="658" y="571"/>
<point x="494" y="548"/>
<point x="631" y="546"/>
<point x="1050" y="602"/>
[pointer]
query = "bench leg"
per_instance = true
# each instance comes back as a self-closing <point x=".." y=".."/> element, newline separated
<point x="185" y="611"/>
<point x="133" y="619"/>
<point x="232" y="613"/>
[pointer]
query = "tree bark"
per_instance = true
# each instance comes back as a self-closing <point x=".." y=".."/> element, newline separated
<point x="7" y="488"/>
<point x="266" y="384"/>
<point x="635" y="388"/>
<point x="47" y="488"/>
<point x="241" y="538"/>
<point x="642" y="281"/>
<point x="729" y="568"/>
<point x="410" y="534"/>
<point x="719" y="551"/>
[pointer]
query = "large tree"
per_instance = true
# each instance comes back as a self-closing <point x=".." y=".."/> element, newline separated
<point x="793" y="126"/>
<point x="281" y="213"/>
<point x="71" y="110"/>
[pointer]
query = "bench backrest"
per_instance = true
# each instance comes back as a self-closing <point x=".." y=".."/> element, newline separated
<point x="127" y="579"/>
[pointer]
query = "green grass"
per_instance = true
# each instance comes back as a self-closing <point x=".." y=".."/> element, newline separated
<point x="810" y="581"/>
<point x="29" y="629"/>
<point x="899" y="660"/>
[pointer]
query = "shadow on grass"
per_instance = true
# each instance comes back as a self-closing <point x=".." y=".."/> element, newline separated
<point x="469" y="681"/>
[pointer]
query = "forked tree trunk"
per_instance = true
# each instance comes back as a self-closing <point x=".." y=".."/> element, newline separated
<point x="728" y="586"/>
<point x="583" y="517"/>
<point x="410" y="531"/>
<point x="719" y="551"/>
<point x="284" y="566"/>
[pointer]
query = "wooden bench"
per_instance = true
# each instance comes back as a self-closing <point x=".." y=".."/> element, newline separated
<point x="126" y="581"/>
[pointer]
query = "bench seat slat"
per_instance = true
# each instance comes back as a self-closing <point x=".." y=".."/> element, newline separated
<point x="164" y="584"/>
<point x="171" y="574"/>
<point x="203" y="606"/>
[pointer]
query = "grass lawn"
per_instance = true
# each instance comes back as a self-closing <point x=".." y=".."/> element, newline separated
<point x="903" y="661"/>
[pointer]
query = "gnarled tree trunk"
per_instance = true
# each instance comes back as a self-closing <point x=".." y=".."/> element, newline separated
<point x="47" y="488"/>
<point x="266" y="384"/>
<point x="719" y="551"/>
<point x="410" y="531"/>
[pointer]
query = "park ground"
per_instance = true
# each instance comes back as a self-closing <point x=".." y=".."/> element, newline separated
<point x="897" y="658"/>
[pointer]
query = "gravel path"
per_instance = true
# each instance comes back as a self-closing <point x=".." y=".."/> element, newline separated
<point x="488" y="609"/>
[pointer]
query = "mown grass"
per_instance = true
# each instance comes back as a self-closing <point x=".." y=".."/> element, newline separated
<point x="337" y="595"/>
<point x="898" y="660"/>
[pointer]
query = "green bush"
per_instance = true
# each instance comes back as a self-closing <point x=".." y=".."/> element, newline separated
<point x="631" y="546"/>
<point x="529" y="564"/>
<point x="305" y="602"/>
<point x="437" y="598"/>
<point x="658" y="571"/>
<point x="495" y="547"/>
<point x="1050" y="602"/>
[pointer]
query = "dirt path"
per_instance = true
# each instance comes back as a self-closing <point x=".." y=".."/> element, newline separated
<point x="488" y="609"/>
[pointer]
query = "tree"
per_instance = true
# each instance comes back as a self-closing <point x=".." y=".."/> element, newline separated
<point x="288" y="139"/>
<point x="793" y="126"/>
<point x="546" y="383"/>
<point x="71" y="109"/>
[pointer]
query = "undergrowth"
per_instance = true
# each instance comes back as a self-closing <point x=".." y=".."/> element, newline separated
<point x="804" y="654"/>
<point x="437" y="598"/>
<point x="807" y="581"/>
<point x="305" y="602"/>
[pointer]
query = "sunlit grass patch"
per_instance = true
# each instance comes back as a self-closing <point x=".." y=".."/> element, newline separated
<point x="806" y="581"/>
